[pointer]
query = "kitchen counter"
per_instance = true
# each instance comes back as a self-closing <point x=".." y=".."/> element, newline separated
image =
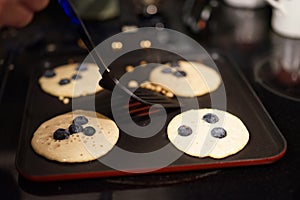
<point x="278" y="180"/>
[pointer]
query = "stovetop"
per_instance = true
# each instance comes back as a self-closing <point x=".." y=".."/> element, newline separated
<point x="246" y="38"/>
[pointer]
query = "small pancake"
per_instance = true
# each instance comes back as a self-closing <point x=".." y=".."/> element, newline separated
<point x="78" y="147"/>
<point x="82" y="80"/>
<point x="197" y="138"/>
<point x="199" y="79"/>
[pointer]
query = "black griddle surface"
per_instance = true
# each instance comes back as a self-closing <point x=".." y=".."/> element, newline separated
<point x="266" y="143"/>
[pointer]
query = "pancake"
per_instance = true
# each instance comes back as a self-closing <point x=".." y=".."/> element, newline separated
<point x="208" y="133"/>
<point x="187" y="79"/>
<point x="96" y="137"/>
<point x="71" y="80"/>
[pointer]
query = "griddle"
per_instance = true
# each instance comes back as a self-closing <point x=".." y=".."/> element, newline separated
<point x="266" y="144"/>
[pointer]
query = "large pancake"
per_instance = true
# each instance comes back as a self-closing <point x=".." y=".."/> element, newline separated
<point x="78" y="147"/>
<point x="199" y="141"/>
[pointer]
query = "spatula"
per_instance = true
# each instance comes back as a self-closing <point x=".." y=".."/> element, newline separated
<point x="108" y="81"/>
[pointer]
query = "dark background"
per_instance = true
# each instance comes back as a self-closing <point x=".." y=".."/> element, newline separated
<point x="20" y="48"/>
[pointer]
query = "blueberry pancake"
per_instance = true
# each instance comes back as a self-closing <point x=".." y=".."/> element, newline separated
<point x="186" y="79"/>
<point x="71" y="80"/>
<point x="208" y="133"/>
<point x="77" y="136"/>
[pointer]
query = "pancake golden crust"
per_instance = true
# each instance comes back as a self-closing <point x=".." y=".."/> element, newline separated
<point x="78" y="147"/>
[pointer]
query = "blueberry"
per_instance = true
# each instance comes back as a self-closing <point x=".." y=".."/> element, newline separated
<point x="81" y="67"/>
<point x="64" y="81"/>
<point x="61" y="134"/>
<point x="218" y="132"/>
<point x="49" y="73"/>
<point x="75" y="128"/>
<point x="179" y="73"/>
<point x="184" y="130"/>
<point x="89" y="131"/>
<point x="167" y="70"/>
<point x="76" y="76"/>
<point x="210" y="118"/>
<point x="80" y="120"/>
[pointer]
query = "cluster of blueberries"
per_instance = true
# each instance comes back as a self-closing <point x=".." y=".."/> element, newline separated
<point x="217" y="132"/>
<point x="178" y="73"/>
<point x="50" y="73"/>
<point x="75" y="127"/>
